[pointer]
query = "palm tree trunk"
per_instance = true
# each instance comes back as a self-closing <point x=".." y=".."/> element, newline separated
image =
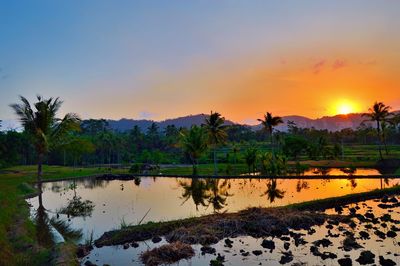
<point x="215" y="162"/>
<point x="378" y="128"/>
<point x="40" y="171"/>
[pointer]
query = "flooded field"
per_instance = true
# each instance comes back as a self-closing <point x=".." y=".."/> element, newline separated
<point x="94" y="206"/>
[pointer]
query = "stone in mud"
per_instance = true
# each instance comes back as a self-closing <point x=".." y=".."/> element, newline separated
<point x="386" y="262"/>
<point x="385" y="199"/>
<point x="156" y="239"/>
<point x="369" y="215"/>
<point x="228" y="243"/>
<point x="245" y="254"/>
<point x="325" y="255"/>
<point x="126" y="246"/>
<point x="350" y="243"/>
<point x="89" y="263"/>
<point x="285" y="238"/>
<point x="286" y="258"/>
<point x="323" y="242"/>
<point x="391" y="234"/>
<point x="134" y="244"/>
<point x="386" y="217"/>
<point x="286" y="245"/>
<point x="207" y="250"/>
<point x="257" y="252"/>
<point x="366" y="257"/>
<point x="299" y="241"/>
<point x="268" y="244"/>
<point x="380" y="234"/>
<point x="338" y="209"/>
<point x="329" y="226"/>
<point x="345" y="262"/>
<point x="311" y="231"/>
<point x="393" y="200"/>
<point x="364" y="235"/>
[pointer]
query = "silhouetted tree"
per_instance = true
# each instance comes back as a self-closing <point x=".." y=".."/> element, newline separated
<point x="214" y="126"/>
<point x="46" y="129"/>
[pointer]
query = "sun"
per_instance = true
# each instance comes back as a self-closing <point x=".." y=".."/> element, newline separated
<point x="345" y="107"/>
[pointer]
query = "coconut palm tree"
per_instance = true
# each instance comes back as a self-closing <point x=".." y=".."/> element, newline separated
<point x="250" y="157"/>
<point x="214" y="126"/>
<point x="269" y="122"/>
<point x="46" y="129"/>
<point x="378" y="113"/>
<point x="194" y="144"/>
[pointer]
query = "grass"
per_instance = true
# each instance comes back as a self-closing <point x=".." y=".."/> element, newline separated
<point x="18" y="244"/>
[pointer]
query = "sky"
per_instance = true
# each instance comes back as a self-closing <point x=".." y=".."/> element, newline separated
<point x="164" y="59"/>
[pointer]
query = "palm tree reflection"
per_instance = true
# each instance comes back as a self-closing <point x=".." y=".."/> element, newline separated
<point x="273" y="192"/>
<point x="206" y="192"/>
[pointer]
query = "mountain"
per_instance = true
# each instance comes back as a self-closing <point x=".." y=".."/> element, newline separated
<point x="331" y="123"/>
<point x="185" y="121"/>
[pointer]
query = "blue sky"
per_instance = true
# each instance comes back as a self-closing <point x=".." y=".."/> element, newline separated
<point x="160" y="59"/>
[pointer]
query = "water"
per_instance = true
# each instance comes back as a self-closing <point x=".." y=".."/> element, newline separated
<point x="162" y="199"/>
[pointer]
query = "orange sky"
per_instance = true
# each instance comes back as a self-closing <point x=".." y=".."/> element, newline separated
<point x="159" y="61"/>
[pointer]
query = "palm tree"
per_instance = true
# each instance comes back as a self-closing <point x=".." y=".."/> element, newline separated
<point x="196" y="189"/>
<point x="194" y="144"/>
<point x="269" y="122"/>
<point x="214" y="126"/>
<point x="46" y="129"/>
<point x="250" y="157"/>
<point x="378" y="113"/>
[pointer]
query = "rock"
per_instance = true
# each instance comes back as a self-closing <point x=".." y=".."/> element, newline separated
<point x="369" y="215"/>
<point x="89" y="263"/>
<point x="350" y="243"/>
<point x="323" y="242"/>
<point x="285" y="238"/>
<point x="393" y="200"/>
<point x="385" y="199"/>
<point x="345" y="262"/>
<point x="364" y="235"/>
<point x="134" y="244"/>
<point x="311" y="231"/>
<point x="338" y="209"/>
<point x="228" y="243"/>
<point x="386" y="217"/>
<point x="156" y="239"/>
<point x="207" y="250"/>
<point x="325" y="255"/>
<point x="268" y="244"/>
<point x="126" y="246"/>
<point x="257" y="252"/>
<point x="245" y="254"/>
<point x="286" y="245"/>
<point x="386" y="262"/>
<point x="380" y="234"/>
<point x="366" y="257"/>
<point x="391" y="234"/>
<point x="286" y="258"/>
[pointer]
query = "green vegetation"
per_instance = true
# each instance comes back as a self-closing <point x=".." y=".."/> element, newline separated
<point x="19" y="243"/>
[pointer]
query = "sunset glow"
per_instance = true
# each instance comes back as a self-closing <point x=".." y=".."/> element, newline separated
<point x="346" y="107"/>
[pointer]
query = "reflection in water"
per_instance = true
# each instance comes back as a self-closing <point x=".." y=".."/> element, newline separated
<point x="176" y="198"/>
<point x="302" y="184"/>
<point x="206" y="192"/>
<point x="219" y="193"/>
<point x="273" y="192"/>
<point x="196" y="189"/>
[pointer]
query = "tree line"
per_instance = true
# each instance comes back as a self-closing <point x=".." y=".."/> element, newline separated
<point x="70" y="141"/>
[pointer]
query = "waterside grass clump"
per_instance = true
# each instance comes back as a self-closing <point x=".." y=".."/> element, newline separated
<point x="167" y="254"/>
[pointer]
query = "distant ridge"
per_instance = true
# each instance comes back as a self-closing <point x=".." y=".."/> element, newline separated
<point x="331" y="123"/>
<point x="184" y="121"/>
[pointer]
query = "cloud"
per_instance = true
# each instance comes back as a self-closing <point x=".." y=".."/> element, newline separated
<point x="318" y="66"/>
<point x="146" y="115"/>
<point x="338" y="63"/>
